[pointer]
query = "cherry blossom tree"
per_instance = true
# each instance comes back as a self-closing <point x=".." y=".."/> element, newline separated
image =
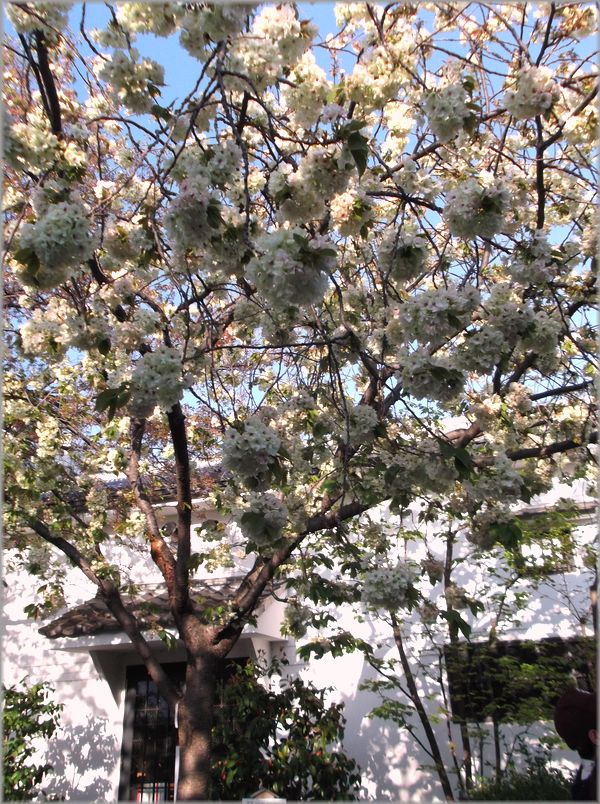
<point x="300" y="270"/>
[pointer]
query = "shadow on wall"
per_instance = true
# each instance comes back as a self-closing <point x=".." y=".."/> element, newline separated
<point x="393" y="758"/>
<point x="82" y="757"/>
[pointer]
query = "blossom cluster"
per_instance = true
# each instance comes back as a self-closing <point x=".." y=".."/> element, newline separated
<point x="361" y="424"/>
<point x="157" y="18"/>
<point x="477" y="208"/>
<point x="538" y="330"/>
<point x="428" y="612"/>
<point x="418" y="467"/>
<point x="143" y="322"/>
<point x="276" y="42"/>
<point x="507" y="312"/>
<point x="438" y="313"/>
<point x="351" y="211"/>
<point x="501" y="481"/>
<point x="384" y="69"/>
<point x="53" y="248"/>
<point x="40" y="334"/>
<point x="427" y="376"/>
<point x="483" y="532"/>
<point x="322" y="173"/>
<point x="448" y="112"/>
<point x="193" y="215"/>
<point x="135" y="84"/>
<point x="26" y="145"/>
<point x="534" y="93"/>
<point x="307" y="96"/>
<point x="263" y="518"/>
<point x="156" y="380"/>
<point x="481" y="349"/>
<point x="533" y="261"/>
<point x="203" y="22"/>
<point x="291" y="270"/>
<point x="224" y="160"/>
<point x="456" y="596"/>
<point x="295" y="619"/>
<point x="400" y="121"/>
<point x="389" y="588"/>
<point x="402" y="254"/>
<point x="433" y="568"/>
<point x="251" y="450"/>
<point x="125" y="241"/>
<point x="46" y="17"/>
<point x="48" y="438"/>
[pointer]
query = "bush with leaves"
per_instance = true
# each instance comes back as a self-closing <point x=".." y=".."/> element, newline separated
<point x="286" y="740"/>
<point x="28" y="715"/>
<point x="537" y="781"/>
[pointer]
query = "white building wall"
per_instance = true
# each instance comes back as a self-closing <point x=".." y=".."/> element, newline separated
<point x="390" y="757"/>
<point x="89" y="676"/>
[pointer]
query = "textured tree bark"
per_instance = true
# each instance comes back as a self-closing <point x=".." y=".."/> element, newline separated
<point x="195" y="720"/>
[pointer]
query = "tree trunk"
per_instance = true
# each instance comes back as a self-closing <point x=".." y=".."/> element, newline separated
<point x="454" y="641"/>
<point x="497" y="751"/>
<point x="418" y="704"/>
<point x="195" y="721"/>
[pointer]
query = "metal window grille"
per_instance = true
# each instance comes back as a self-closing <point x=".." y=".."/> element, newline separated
<point x="150" y="736"/>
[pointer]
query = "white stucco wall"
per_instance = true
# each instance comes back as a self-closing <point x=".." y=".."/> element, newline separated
<point x="389" y="756"/>
<point x="85" y="750"/>
<point x="88" y="676"/>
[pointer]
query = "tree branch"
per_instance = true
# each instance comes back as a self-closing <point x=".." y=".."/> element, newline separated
<point x="112" y="598"/>
<point x="551" y="449"/>
<point x="184" y="507"/>
<point x="253" y="585"/>
<point x="45" y="73"/>
<point x="159" y="550"/>
<point x="565" y="389"/>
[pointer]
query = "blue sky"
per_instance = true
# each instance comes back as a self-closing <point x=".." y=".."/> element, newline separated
<point x="181" y="69"/>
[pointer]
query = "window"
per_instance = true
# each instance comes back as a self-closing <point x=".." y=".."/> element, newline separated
<point x="148" y="756"/>
<point x="149" y="738"/>
<point x="516" y="681"/>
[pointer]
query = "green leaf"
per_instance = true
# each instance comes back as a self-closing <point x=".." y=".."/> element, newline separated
<point x="27" y="256"/>
<point x="353" y="125"/>
<point x="454" y="618"/>
<point x="104" y="346"/>
<point x="390" y="475"/>
<point x="469" y="83"/>
<point x="359" y="148"/>
<point x="161" y="112"/>
<point x="194" y="561"/>
<point x="463" y="462"/>
<point x="508" y="534"/>
<point x="254" y="523"/>
<point x="300" y="239"/>
<point x="330" y="486"/>
<point x="112" y="399"/>
<point x="283" y="453"/>
<point x="213" y="214"/>
<point x="169" y="639"/>
<point x="104" y="398"/>
<point x="454" y="321"/>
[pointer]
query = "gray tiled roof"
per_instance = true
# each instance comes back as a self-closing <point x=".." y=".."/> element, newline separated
<point x="150" y="606"/>
<point x="160" y="490"/>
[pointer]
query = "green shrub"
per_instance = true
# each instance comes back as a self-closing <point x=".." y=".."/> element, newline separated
<point x="285" y="741"/>
<point x="27" y="715"/>
<point x="537" y="782"/>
